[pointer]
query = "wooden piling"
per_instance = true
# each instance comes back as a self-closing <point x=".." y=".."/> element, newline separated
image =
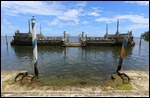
<point x="6" y="40"/>
<point x="64" y="36"/>
<point x="140" y="39"/>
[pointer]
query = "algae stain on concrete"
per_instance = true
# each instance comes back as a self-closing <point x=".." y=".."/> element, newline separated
<point x="124" y="87"/>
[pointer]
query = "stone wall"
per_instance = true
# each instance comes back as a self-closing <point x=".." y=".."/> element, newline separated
<point x="49" y="41"/>
<point x="99" y="41"/>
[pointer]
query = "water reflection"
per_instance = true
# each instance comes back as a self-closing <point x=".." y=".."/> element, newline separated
<point x="139" y="49"/>
<point x="22" y="51"/>
<point x="105" y="52"/>
<point x="7" y="47"/>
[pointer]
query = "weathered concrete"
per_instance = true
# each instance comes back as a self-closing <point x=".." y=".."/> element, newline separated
<point x="132" y="93"/>
<point x="139" y="82"/>
<point x="49" y="41"/>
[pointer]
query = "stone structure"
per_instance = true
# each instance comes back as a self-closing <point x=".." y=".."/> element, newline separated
<point x="111" y="39"/>
<point x="79" y="37"/>
<point x="67" y="38"/>
<point x="29" y="27"/>
<point x="106" y="35"/>
<point x="117" y="33"/>
<point x="26" y="39"/>
<point x="64" y="36"/>
<point x="82" y="36"/>
<point x="108" y="39"/>
<point x="40" y="35"/>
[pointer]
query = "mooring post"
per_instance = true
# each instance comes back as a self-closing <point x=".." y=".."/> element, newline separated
<point x="140" y="39"/>
<point x="125" y="42"/>
<point x="34" y="41"/>
<point x="6" y="40"/>
<point x="64" y="36"/>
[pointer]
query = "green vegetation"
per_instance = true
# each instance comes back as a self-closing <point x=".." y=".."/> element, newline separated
<point x="67" y="78"/>
<point x="30" y="88"/>
<point x="124" y="87"/>
<point x="146" y="35"/>
<point x="48" y="88"/>
<point x="106" y="89"/>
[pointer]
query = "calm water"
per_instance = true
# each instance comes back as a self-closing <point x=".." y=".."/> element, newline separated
<point x="73" y="65"/>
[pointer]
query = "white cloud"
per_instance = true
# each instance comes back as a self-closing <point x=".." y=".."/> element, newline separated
<point x="11" y="14"/>
<point x="54" y="22"/>
<point x="104" y="19"/>
<point x="96" y="8"/>
<point x="14" y="8"/>
<point x="81" y="3"/>
<point x="12" y="27"/>
<point x="94" y="14"/>
<point x="85" y="22"/>
<point x="95" y="11"/>
<point x="136" y="26"/>
<point x="139" y="2"/>
<point x="60" y="26"/>
<point x="133" y="18"/>
<point x="2" y="26"/>
<point x="32" y="7"/>
<point x="69" y="24"/>
<point x="70" y="15"/>
<point x="37" y="23"/>
<point x="5" y="21"/>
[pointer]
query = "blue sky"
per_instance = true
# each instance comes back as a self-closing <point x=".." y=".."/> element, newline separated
<point x="75" y="17"/>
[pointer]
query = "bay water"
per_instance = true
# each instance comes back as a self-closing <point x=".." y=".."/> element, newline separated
<point x="72" y="65"/>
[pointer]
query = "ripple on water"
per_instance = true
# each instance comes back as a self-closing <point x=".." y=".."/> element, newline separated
<point x="73" y="65"/>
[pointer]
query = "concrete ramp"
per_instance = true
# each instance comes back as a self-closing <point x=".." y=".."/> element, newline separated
<point x="73" y="44"/>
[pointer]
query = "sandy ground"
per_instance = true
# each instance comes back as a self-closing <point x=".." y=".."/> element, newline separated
<point x="139" y="82"/>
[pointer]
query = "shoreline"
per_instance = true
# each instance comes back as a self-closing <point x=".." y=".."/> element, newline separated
<point x="139" y="86"/>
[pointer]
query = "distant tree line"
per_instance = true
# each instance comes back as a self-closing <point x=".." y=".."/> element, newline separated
<point x="146" y="35"/>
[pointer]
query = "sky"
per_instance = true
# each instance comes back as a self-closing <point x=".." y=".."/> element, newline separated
<point x="74" y="17"/>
